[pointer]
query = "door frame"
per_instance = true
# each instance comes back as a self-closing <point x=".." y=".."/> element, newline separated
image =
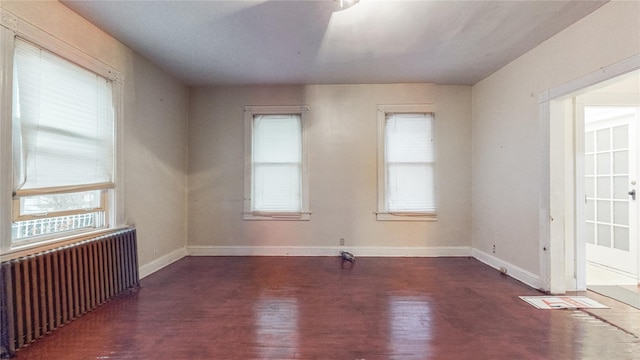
<point x="557" y="216"/>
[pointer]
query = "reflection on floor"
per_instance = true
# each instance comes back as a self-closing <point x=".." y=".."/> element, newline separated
<point x="613" y="284"/>
<point x="314" y="308"/>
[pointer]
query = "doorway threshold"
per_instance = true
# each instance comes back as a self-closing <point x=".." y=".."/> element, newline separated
<point x="613" y="284"/>
<point x="627" y="294"/>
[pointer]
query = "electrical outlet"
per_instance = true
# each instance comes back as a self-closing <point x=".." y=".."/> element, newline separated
<point x="341" y="241"/>
<point x="494" y="249"/>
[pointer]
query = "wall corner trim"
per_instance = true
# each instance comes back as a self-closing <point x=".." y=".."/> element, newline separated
<point x="161" y="262"/>
<point x="513" y="271"/>
<point x="8" y="20"/>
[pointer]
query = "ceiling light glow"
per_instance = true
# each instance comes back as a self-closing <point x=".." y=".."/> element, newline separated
<point x="345" y="4"/>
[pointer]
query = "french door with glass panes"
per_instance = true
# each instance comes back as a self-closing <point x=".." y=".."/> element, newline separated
<point x="611" y="175"/>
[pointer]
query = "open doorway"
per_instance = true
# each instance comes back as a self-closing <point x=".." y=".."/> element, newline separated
<point x="607" y="207"/>
<point x="589" y="182"/>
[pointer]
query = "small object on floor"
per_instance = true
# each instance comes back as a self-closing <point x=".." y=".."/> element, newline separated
<point x="347" y="256"/>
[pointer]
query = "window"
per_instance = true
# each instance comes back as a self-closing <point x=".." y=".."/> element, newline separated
<point x="59" y="120"/>
<point x="406" y="163"/>
<point x="275" y="166"/>
<point x="62" y="134"/>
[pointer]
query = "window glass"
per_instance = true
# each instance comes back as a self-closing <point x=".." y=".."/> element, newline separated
<point x="63" y="136"/>
<point x="406" y="163"/>
<point x="409" y="163"/>
<point x="40" y="204"/>
<point x="277" y="163"/>
<point x="276" y="176"/>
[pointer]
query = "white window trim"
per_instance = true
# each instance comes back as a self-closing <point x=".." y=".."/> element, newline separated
<point x="382" y="214"/>
<point x="104" y="188"/>
<point x="11" y="27"/>
<point x="249" y="113"/>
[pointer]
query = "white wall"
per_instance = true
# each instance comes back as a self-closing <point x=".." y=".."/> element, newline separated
<point x="155" y="128"/>
<point x="342" y="155"/>
<point x="504" y="158"/>
<point x="156" y="160"/>
<point x="506" y="133"/>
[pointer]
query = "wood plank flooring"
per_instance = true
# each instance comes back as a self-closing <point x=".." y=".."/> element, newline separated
<point x="314" y="308"/>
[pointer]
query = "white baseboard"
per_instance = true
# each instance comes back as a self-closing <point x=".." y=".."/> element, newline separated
<point x="514" y="271"/>
<point x="365" y="251"/>
<point x="161" y="262"/>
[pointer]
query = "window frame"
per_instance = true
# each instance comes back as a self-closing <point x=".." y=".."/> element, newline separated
<point x="103" y="206"/>
<point x="383" y="214"/>
<point x="111" y="197"/>
<point x="248" y="213"/>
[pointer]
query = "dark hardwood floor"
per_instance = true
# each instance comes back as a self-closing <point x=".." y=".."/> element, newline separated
<point x="313" y="308"/>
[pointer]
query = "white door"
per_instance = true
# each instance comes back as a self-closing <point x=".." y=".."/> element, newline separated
<point x="611" y="186"/>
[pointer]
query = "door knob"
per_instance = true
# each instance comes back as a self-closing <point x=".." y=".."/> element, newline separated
<point x="633" y="194"/>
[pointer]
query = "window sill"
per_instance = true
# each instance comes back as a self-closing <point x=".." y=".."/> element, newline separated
<point x="30" y="247"/>
<point x="399" y="216"/>
<point x="276" y="216"/>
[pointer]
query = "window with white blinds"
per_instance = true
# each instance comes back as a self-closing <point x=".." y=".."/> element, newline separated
<point x="406" y="165"/>
<point x="63" y="122"/>
<point x="276" y="165"/>
<point x="63" y="138"/>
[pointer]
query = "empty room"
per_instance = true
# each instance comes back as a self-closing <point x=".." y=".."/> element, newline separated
<point x="461" y="179"/>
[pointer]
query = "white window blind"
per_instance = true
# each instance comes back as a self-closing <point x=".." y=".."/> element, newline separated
<point x="409" y="163"/>
<point x="63" y="122"/>
<point x="277" y="163"/>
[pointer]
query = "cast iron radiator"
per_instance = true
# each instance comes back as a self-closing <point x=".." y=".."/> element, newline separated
<point x="41" y="292"/>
